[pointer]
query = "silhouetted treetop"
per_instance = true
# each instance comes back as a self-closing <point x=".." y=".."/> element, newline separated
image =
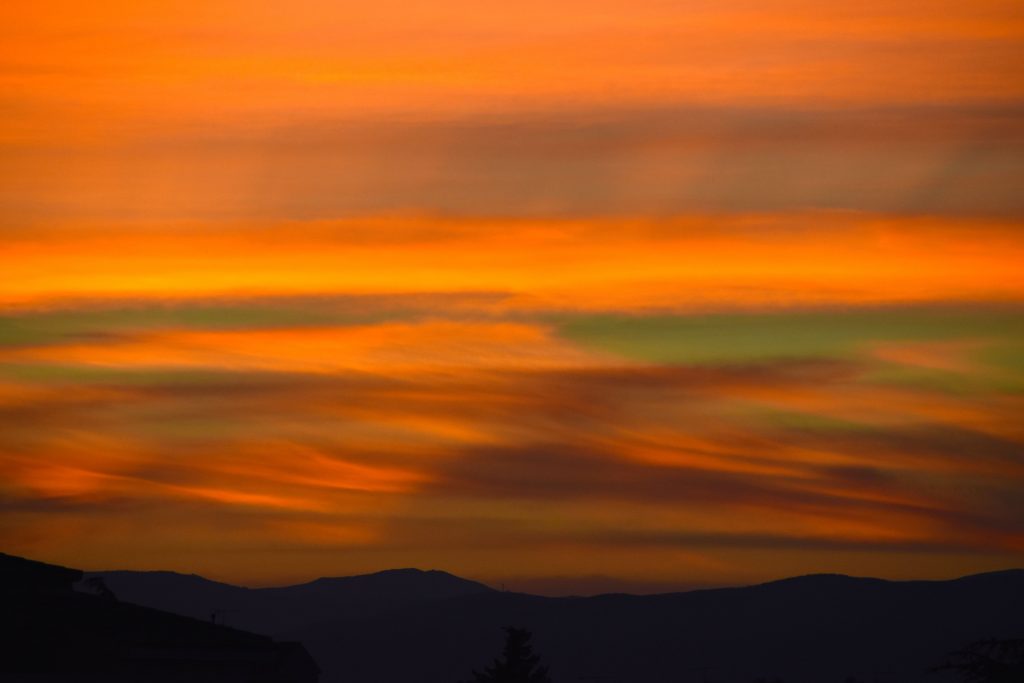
<point x="517" y="663"/>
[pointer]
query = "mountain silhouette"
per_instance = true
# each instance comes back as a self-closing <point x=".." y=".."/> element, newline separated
<point x="430" y="626"/>
<point x="281" y="609"/>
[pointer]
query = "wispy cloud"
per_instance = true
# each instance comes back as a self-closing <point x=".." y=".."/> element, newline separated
<point x="702" y="291"/>
<point x="781" y="454"/>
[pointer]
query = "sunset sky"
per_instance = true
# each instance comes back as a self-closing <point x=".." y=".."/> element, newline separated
<point x="572" y="296"/>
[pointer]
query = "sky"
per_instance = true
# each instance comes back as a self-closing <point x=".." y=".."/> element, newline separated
<point x="570" y="297"/>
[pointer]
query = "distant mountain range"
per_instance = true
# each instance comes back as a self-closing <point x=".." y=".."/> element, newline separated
<point x="413" y="626"/>
<point x="282" y="610"/>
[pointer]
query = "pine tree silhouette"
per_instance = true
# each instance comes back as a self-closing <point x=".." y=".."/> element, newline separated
<point x="517" y="663"/>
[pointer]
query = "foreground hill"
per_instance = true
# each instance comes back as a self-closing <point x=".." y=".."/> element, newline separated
<point x="51" y="633"/>
<point x="433" y="627"/>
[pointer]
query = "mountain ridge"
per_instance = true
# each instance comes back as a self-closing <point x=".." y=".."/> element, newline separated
<point x="815" y="628"/>
<point x="1010" y="571"/>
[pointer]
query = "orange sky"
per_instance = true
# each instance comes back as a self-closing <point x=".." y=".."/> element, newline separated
<point x="668" y="292"/>
<point x="599" y="264"/>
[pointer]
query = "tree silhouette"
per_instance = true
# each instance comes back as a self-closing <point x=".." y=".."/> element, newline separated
<point x="517" y="663"/>
<point x="988" y="661"/>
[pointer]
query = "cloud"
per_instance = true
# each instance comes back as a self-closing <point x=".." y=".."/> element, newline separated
<point x="657" y="460"/>
<point x="714" y="288"/>
<point x="569" y="162"/>
<point x="782" y="542"/>
<point x="694" y="262"/>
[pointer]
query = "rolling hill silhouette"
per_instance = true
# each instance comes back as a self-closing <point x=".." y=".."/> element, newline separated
<point x="409" y="625"/>
<point x="278" y="610"/>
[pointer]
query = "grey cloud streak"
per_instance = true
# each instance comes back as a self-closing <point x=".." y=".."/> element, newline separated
<point x="657" y="161"/>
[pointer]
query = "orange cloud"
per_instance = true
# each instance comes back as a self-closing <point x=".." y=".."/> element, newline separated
<point x="686" y="263"/>
<point x="153" y="65"/>
<point x="448" y="180"/>
<point x="394" y="348"/>
<point x="668" y="462"/>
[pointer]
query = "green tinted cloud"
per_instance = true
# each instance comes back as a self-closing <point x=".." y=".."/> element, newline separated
<point x="764" y="337"/>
